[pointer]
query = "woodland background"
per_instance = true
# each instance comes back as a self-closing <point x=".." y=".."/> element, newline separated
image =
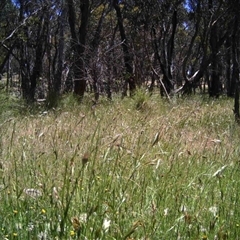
<point x="49" y="48"/>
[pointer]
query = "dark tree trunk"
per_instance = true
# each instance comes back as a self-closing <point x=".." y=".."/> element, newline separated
<point x="236" y="105"/>
<point x="107" y="86"/>
<point x="55" y="86"/>
<point x="32" y="52"/>
<point x="166" y="81"/>
<point x="128" y="60"/>
<point x="235" y="5"/>
<point x="57" y="81"/>
<point x="166" y="57"/>
<point x="235" y="69"/>
<point x="78" y="44"/>
<point x="37" y="69"/>
<point x="214" y="90"/>
<point x="230" y="93"/>
<point x="79" y="71"/>
<point x="94" y="45"/>
<point x="6" y="58"/>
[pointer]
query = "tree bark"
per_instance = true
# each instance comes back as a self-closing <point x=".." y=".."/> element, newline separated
<point x="214" y="79"/>
<point x="235" y="67"/>
<point x="230" y="92"/>
<point x="31" y="65"/>
<point x="166" y="50"/>
<point x="128" y="60"/>
<point x="57" y="82"/>
<point x="78" y="44"/>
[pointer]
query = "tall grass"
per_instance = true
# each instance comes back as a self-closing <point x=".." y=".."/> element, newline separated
<point x="10" y="106"/>
<point x="138" y="168"/>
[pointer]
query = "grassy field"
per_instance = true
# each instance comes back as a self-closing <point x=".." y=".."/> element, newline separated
<point x="139" y="168"/>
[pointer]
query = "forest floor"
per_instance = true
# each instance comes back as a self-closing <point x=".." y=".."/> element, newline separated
<point x="137" y="168"/>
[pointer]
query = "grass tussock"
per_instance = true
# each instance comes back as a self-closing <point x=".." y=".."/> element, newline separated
<point x="138" y="168"/>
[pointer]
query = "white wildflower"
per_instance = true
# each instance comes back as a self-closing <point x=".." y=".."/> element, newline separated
<point x="166" y="211"/>
<point x="83" y="217"/>
<point x="213" y="210"/>
<point x="106" y="224"/>
<point x="34" y="193"/>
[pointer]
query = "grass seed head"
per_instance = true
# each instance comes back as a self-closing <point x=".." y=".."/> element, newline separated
<point x="76" y="223"/>
<point x="85" y="158"/>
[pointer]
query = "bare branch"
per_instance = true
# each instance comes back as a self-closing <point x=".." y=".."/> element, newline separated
<point x="165" y="90"/>
<point x="20" y="25"/>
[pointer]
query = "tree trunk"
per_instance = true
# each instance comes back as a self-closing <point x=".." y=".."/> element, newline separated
<point x="37" y="69"/>
<point x="78" y="44"/>
<point x="94" y="46"/>
<point x="235" y="67"/>
<point x="57" y="82"/>
<point x="230" y="93"/>
<point x="214" y="90"/>
<point x="166" y="50"/>
<point x="128" y="60"/>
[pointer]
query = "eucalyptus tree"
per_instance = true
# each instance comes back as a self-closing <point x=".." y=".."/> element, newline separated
<point x="219" y="31"/>
<point x="78" y="37"/>
<point x="128" y="58"/>
<point x="138" y="18"/>
<point x="163" y="33"/>
<point x="212" y="26"/>
<point x="235" y="10"/>
<point x="8" y="23"/>
<point x="32" y="39"/>
<point x="95" y="51"/>
<point x="147" y="30"/>
<point x="56" y="51"/>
